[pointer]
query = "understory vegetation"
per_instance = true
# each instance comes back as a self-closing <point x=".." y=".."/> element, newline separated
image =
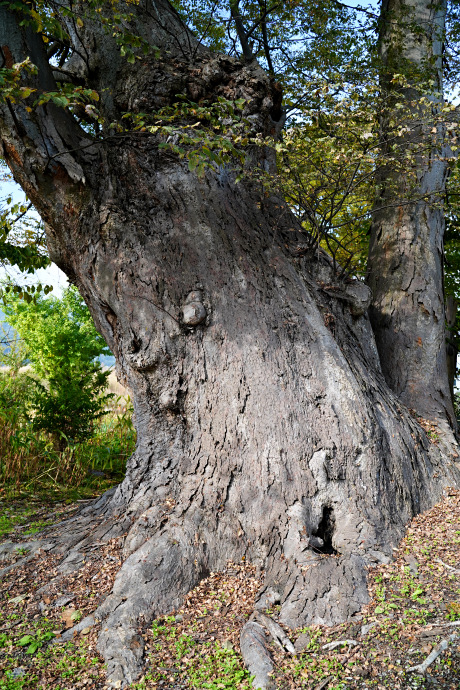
<point x="63" y="434"/>
<point x="32" y="467"/>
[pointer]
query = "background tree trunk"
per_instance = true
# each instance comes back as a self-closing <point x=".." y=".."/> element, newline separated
<point x="265" y="427"/>
<point x="406" y="243"/>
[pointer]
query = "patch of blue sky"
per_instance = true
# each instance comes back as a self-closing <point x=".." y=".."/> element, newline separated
<point x="46" y="276"/>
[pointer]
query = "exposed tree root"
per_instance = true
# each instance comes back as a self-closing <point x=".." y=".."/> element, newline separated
<point x="256" y="655"/>
<point x="317" y="576"/>
<point x="195" y="622"/>
<point x="154" y="579"/>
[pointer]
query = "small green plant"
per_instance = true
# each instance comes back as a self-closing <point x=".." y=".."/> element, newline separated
<point x="76" y="616"/>
<point x="311" y="669"/>
<point x="21" y="551"/>
<point x="380" y="593"/>
<point x="313" y="645"/>
<point x="220" y="669"/>
<point x="36" y="526"/>
<point x="36" y="641"/>
<point x="417" y="595"/>
<point x="385" y="608"/>
<point x="419" y="616"/>
<point x="412" y="590"/>
<point x="158" y="628"/>
<point x="183" y="645"/>
<point x="382" y="607"/>
<point x="211" y="667"/>
<point x="9" y="682"/>
<point x="453" y="611"/>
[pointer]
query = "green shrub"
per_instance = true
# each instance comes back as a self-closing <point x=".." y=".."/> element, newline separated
<point x="67" y="393"/>
<point x="69" y="404"/>
<point x="15" y="385"/>
<point x="61" y="435"/>
<point x="17" y="438"/>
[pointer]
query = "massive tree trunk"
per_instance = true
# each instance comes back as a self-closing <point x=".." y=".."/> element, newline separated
<point x="406" y="244"/>
<point x="265" y="427"/>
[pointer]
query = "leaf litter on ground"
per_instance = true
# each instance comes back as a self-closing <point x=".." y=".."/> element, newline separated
<point x="414" y="607"/>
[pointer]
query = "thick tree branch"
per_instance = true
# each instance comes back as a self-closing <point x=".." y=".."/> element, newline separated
<point x="263" y="25"/>
<point x="240" y="30"/>
<point x="32" y="137"/>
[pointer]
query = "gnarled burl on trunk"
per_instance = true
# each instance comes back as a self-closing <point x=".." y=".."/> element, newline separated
<point x="265" y="427"/>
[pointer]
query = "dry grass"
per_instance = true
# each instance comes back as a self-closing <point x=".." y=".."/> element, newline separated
<point x="30" y="460"/>
<point x="116" y="387"/>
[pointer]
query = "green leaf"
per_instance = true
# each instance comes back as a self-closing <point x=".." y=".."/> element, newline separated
<point x="192" y="163"/>
<point x="26" y="91"/>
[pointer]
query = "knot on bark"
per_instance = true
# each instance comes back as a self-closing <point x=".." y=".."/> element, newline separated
<point x="168" y="400"/>
<point x="155" y="83"/>
<point x="355" y="293"/>
<point x="193" y="312"/>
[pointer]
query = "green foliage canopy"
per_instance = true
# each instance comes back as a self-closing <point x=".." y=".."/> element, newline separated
<point x="324" y="55"/>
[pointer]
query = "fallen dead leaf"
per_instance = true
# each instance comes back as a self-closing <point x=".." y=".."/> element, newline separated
<point x="68" y="616"/>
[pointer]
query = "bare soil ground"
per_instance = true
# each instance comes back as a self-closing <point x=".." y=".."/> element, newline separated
<point x="413" y="614"/>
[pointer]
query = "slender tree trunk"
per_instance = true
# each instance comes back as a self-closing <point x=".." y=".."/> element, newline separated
<point x="406" y="244"/>
<point x="265" y="427"/>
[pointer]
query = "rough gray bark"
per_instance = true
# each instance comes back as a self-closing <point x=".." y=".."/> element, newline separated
<point x="256" y="655"/>
<point x="406" y="243"/>
<point x="265" y="427"/>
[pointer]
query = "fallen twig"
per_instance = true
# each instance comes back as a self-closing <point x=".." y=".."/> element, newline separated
<point x="421" y="668"/>
<point x="449" y="567"/>
<point x="339" y="643"/>
<point x="276" y="631"/>
<point x="323" y="683"/>
<point x="453" y="624"/>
